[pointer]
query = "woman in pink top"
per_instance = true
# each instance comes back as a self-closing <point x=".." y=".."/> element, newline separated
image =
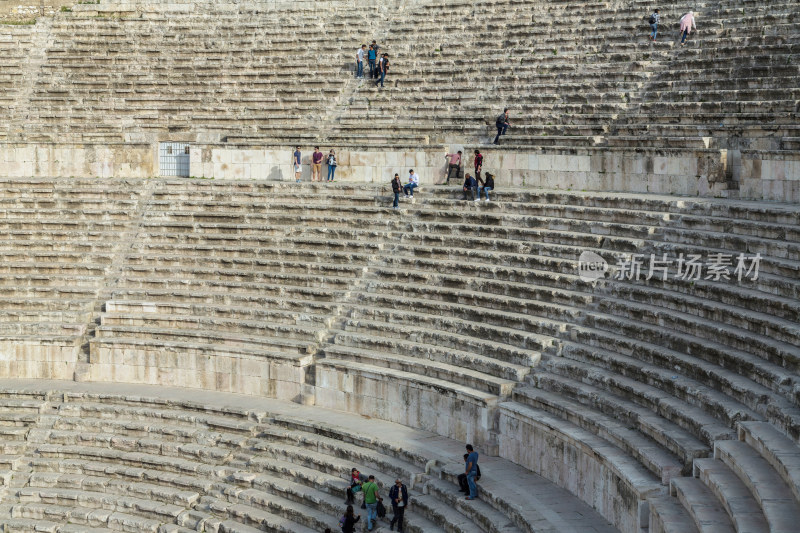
<point x="687" y="24"/>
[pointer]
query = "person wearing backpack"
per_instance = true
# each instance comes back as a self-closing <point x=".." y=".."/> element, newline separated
<point x="348" y="521"/>
<point x="502" y="125"/>
<point x="654" y="25"/>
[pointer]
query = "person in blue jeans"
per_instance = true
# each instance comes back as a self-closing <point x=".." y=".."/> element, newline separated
<point x="331" y="165"/>
<point x="396" y="191"/>
<point x="413" y="182"/>
<point x="654" y="25"/>
<point x="371" y="497"/>
<point x="472" y="472"/>
<point x="360" y="61"/>
<point x="383" y="68"/>
<point x="372" y="55"/>
<point x="486" y="185"/>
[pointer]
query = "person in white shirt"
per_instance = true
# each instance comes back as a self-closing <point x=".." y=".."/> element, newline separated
<point x="413" y="182"/>
<point x="360" y="61"/>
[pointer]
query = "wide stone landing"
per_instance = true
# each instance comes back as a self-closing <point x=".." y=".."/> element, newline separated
<point x="108" y="456"/>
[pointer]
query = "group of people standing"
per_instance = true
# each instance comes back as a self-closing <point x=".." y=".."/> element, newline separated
<point x="687" y="24"/>
<point x="398" y="495"/>
<point x="378" y="64"/>
<point x="316" y="164"/>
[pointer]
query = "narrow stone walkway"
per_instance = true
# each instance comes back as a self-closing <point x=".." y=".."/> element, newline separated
<point x="556" y="509"/>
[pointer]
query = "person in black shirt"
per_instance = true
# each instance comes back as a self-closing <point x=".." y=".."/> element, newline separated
<point x="350" y="520"/>
<point x="470" y="186"/>
<point x="486" y="185"/>
<point x="396" y="190"/>
<point x="383" y="68"/>
<point x="502" y="125"/>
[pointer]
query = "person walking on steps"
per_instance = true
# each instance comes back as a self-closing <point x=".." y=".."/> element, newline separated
<point x="687" y="25"/>
<point x="463" y="486"/>
<point x="502" y="125"/>
<point x="413" y="183"/>
<point x="399" y="497"/>
<point x="471" y="470"/>
<point x="396" y="190"/>
<point x="371" y="497"/>
<point x="383" y="68"/>
<point x="331" y="165"/>
<point x="454" y="166"/>
<point x="296" y="156"/>
<point x="372" y="55"/>
<point x="653" y="20"/>
<point x="478" y="164"/>
<point x="349" y="520"/>
<point x="360" y="61"/>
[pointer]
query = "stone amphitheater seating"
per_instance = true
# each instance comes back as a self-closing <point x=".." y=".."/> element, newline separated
<point x="663" y="404"/>
<point x="576" y="75"/>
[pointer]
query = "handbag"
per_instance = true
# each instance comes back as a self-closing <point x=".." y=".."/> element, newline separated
<point x="363" y="505"/>
<point x="381" y="510"/>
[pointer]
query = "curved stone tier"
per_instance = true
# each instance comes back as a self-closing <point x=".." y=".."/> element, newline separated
<point x="94" y="457"/>
<point x="465" y="319"/>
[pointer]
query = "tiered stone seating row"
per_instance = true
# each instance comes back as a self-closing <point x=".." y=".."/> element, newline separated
<point x="59" y="239"/>
<point x="470" y="315"/>
<point x="93" y="461"/>
<point x="275" y="76"/>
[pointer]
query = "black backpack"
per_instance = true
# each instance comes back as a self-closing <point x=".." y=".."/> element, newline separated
<point x="652" y="19"/>
<point x="501" y="120"/>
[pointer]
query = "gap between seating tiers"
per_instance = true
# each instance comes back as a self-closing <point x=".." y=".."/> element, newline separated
<point x="612" y="349"/>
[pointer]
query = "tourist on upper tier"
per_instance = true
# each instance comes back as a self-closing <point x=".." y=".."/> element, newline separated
<point x="413" y="182"/>
<point x="316" y="165"/>
<point x="454" y="166"/>
<point x="372" y="55"/>
<point x="348" y="521"/>
<point x="478" y="164"/>
<point x="486" y="185"/>
<point x="383" y="68"/>
<point x="331" y="165"/>
<point x="296" y="163"/>
<point x="399" y="497"/>
<point x="502" y="125"/>
<point x="375" y="46"/>
<point x="371" y="497"/>
<point x="653" y="20"/>
<point x="471" y="186"/>
<point x="471" y="470"/>
<point x="396" y="190"/>
<point x="356" y="479"/>
<point x="463" y="486"/>
<point x="360" y="61"/>
<point x="687" y="25"/>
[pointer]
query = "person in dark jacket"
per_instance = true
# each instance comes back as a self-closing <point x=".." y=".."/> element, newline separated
<point x="502" y="125"/>
<point x="350" y="520"/>
<point x="396" y="190"/>
<point x="463" y="486"/>
<point x="470" y="186"/>
<point x="399" y="497"/>
<point x="486" y="185"/>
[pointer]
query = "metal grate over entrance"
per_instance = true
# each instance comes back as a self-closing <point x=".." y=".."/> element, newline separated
<point x="173" y="159"/>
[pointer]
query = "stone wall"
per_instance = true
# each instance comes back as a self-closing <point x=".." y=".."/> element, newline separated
<point x="78" y="160"/>
<point x="754" y="175"/>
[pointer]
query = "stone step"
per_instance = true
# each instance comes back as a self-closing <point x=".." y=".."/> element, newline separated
<point x="779" y="451"/>
<point x="667" y="515"/>
<point x="703" y="506"/>
<point x="776" y="499"/>
<point x="742" y="508"/>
